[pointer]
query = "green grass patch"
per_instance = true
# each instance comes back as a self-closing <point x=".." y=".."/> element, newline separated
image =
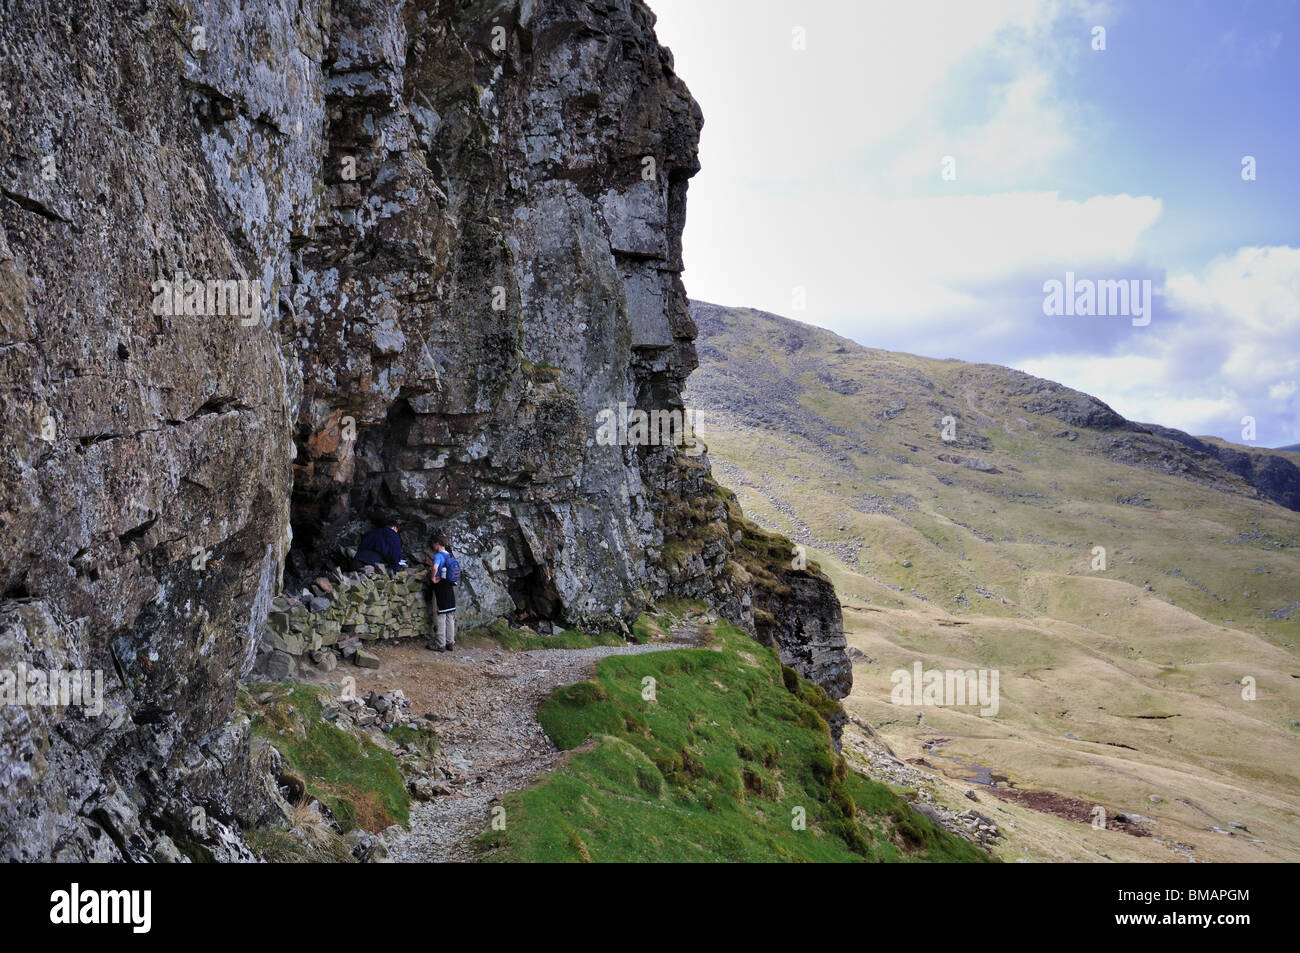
<point x="722" y="765"/>
<point x="657" y="626"/>
<point x="359" y="781"/>
<point x="423" y="740"/>
<point x="648" y="629"/>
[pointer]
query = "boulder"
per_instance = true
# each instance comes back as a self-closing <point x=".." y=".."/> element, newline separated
<point x="279" y="666"/>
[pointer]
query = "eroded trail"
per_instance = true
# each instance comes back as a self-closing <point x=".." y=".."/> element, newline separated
<point x="485" y="701"/>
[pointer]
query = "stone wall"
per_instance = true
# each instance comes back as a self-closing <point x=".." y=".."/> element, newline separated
<point x="338" y="614"/>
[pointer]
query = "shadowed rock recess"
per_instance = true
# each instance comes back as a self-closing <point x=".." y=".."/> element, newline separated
<point x="463" y="221"/>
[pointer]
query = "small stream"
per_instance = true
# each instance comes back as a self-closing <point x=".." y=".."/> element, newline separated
<point x="968" y="770"/>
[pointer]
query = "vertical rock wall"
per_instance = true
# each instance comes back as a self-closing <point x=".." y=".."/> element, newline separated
<point x="496" y="262"/>
<point x="460" y="223"/>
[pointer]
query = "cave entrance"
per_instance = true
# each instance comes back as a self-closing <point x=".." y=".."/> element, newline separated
<point x="537" y="602"/>
<point x="340" y="488"/>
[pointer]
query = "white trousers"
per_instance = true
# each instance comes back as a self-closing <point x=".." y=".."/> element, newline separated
<point x="446" y="629"/>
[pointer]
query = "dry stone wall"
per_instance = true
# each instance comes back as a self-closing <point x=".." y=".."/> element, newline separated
<point x="333" y="619"/>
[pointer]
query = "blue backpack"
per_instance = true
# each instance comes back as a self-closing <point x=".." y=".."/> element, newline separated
<point x="451" y="570"/>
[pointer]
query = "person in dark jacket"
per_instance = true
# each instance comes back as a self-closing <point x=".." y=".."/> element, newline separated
<point x="381" y="545"/>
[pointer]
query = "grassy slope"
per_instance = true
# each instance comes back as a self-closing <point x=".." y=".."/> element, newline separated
<point x="959" y="568"/>
<point x="713" y="769"/>
<point x="360" y="782"/>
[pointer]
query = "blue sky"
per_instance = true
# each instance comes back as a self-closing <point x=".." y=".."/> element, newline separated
<point x="823" y="195"/>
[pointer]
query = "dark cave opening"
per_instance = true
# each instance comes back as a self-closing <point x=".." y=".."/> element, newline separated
<point x="537" y="603"/>
<point x="344" y="486"/>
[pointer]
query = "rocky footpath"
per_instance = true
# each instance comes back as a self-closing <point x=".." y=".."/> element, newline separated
<point x="486" y="702"/>
<point x="271" y="270"/>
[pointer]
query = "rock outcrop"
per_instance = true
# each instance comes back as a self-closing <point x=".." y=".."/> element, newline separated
<point x="270" y="270"/>
<point x="795" y="607"/>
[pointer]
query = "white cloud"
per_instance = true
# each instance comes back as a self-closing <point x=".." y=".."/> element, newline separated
<point x="1258" y="286"/>
<point x="1240" y="315"/>
<point x="986" y="236"/>
<point x="1028" y="131"/>
<point x="816" y="161"/>
<point x="869" y="71"/>
<point x="871" y="266"/>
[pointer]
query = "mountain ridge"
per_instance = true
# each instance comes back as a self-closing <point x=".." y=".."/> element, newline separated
<point x="1273" y="476"/>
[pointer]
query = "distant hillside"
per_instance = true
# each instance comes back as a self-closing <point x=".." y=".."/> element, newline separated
<point x="1035" y="476"/>
<point x="980" y="551"/>
<point x="742" y="384"/>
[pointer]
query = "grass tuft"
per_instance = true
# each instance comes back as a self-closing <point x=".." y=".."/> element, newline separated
<point x="360" y="782"/>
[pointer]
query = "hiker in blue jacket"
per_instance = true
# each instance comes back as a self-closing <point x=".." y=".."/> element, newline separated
<point x="381" y="545"/>
<point x="445" y="576"/>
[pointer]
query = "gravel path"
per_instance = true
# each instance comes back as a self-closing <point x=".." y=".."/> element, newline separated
<point x="485" y="700"/>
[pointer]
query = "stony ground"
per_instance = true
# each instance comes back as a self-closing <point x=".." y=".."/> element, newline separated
<point x="484" y="702"/>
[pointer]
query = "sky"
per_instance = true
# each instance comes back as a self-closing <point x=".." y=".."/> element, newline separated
<point x="914" y="175"/>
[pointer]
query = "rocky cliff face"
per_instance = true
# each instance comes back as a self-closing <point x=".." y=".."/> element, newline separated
<point x="418" y="249"/>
